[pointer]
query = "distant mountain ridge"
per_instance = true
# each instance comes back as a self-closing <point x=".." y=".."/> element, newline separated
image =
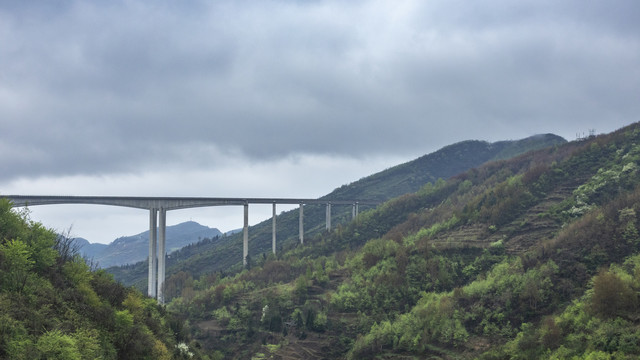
<point x="135" y="248"/>
<point x="442" y="164"/>
<point x="87" y="249"/>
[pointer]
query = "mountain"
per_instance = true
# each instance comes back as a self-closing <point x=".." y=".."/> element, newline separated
<point x="533" y="257"/>
<point x="88" y="250"/>
<point x="409" y="177"/>
<point x="132" y="249"/>
<point x="442" y="164"/>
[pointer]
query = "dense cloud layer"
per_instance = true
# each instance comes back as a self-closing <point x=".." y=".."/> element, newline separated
<point x="288" y="98"/>
<point x="93" y="87"/>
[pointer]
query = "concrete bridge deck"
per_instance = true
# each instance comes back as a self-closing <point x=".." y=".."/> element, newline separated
<point x="167" y="203"/>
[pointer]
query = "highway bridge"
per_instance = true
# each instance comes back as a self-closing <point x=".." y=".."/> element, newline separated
<point x="158" y="207"/>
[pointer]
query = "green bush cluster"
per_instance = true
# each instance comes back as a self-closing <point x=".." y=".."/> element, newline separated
<point x="52" y="306"/>
<point x="602" y="324"/>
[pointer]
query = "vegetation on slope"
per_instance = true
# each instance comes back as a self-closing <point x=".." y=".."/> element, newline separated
<point x="52" y="306"/>
<point x="532" y="257"/>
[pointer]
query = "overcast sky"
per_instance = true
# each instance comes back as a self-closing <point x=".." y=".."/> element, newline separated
<point x="287" y="98"/>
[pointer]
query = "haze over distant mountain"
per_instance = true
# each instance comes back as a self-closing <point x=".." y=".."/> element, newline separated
<point x="87" y="249"/>
<point x="131" y="249"/>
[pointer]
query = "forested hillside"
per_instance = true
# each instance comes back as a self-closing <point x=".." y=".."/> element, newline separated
<point x="52" y="306"/>
<point x="226" y="254"/>
<point x="535" y="257"/>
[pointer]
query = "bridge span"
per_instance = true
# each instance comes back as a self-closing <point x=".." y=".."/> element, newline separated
<point x="158" y="207"/>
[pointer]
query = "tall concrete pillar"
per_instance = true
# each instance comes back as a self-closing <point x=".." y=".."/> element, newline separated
<point x="273" y="230"/>
<point x="153" y="241"/>
<point x="162" y="232"/>
<point x="328" y="216"/>
<point x="301" y="223"/>
<point x="245" y="233"/>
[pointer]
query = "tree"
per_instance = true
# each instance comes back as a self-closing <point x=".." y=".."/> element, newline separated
<point x="611" y="295"/>
<point x="16" y="266"/>
<point x="56" y="345"/>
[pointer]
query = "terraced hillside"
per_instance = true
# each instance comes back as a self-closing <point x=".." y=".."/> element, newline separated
<point x="533" y="257"/>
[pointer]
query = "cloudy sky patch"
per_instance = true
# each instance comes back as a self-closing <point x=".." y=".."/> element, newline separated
<point x="132" y="97"/>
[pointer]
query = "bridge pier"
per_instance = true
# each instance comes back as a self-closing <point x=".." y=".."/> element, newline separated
<point x="162" y="232"/>
<point x="301" y="224"/>
<point x="245" y="235"/>
<point x="153" y="241"/>
<point x="355" y="210"/>
<point x="273" y="230"/>
<point x="328" y="216"/>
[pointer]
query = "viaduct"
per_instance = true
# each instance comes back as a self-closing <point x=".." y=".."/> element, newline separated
<point x="158" y="207"/>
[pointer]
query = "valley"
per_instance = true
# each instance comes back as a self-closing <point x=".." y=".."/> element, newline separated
<point x="501" y="257"/>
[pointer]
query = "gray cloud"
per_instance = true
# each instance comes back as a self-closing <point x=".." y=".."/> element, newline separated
<point x="90" y="87"/>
